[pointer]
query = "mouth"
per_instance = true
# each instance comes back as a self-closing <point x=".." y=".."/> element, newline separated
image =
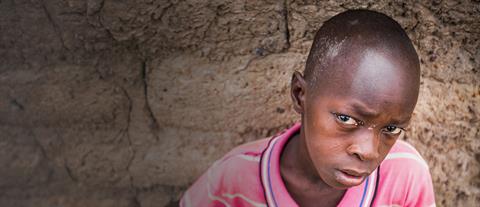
<point x="350" y="177"/>
<point x="356" y="173"/>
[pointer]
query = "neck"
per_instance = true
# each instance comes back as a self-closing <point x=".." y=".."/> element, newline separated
<point x="301" y="178"/>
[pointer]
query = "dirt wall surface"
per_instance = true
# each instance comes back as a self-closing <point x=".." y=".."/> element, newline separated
<point x="125" y="103"/>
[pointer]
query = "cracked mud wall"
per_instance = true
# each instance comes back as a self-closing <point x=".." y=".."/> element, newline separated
<point x="126" y="103"/>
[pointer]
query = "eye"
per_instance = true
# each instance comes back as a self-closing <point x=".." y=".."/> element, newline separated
<point x="393" y="130"/>
<point x="344" y="119"/>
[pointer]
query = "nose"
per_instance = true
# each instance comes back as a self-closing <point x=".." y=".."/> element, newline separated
<point x="365" y="145"/>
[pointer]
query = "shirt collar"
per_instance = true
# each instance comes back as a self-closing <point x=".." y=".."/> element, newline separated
<point x="276" y="193"/>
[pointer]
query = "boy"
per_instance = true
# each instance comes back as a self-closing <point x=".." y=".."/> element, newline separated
<point x="355" y="98"/>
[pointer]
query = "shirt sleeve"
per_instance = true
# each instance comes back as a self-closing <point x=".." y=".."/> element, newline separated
<point x="205" y="191"/>
<point x="405" y="179"/>
<point x="421" y="191"/>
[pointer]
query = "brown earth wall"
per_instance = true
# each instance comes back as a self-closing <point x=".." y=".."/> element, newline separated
<point x="125" y="103"/>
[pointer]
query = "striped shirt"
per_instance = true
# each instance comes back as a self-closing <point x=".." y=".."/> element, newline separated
<point x="249" y="175"/>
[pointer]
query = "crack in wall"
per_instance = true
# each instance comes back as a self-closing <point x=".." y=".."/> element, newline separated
<point x="69" y="172"/>
<point x="247" y="64"/>
<point x="97" y="10"/>
<point x="153" y="121"/>
<point x="131" y="148"/>
<point x="100" y="20"/>
<point x="285" y="22"/>
<point x="54" y="25"/>
<point x="43" y="152"/>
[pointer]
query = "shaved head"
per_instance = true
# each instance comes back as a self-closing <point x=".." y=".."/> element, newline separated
<point x="348" y="37"/>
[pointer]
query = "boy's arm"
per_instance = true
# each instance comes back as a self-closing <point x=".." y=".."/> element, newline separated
<point x="405" y="179"/>
<point x="203" y="191"/>
<point x="421" y="190"/>
<point x="233" y="180"/>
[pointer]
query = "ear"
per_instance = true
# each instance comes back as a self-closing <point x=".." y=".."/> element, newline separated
<point x="297" y="91"/>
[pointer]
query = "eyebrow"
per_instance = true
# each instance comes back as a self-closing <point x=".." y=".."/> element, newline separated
<point x="365" y="111"/>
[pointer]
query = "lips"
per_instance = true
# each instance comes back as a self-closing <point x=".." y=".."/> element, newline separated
<point x="349" y="177"/>
<point x="355" y="173"/>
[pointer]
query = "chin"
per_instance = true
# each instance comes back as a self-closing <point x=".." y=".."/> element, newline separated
<point x="335" y="184"/>
<point x="341" y="186"/>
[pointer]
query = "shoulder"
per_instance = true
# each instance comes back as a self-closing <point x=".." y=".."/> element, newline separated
<point x="232" y="180"/>
<point x="249" y="149"/>
<point x="405" y="178"/>
<point x="243" y="159"/>
<point x="404" y="164"/>
<point x="240" y="166"/>
<point x="404" y="153"/>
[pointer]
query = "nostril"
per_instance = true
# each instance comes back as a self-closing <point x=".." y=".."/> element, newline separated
<point x="359" y="156"/>
<point x="355" y="150"/>
<point x="363" y="154"/>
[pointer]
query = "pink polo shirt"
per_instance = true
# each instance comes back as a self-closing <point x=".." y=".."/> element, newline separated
<point x="249" y="175"/>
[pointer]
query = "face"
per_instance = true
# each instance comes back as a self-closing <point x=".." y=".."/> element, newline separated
<point x="350" y="125"/>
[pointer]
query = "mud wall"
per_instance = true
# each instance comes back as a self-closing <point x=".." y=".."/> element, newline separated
<point x="125" y="103"/>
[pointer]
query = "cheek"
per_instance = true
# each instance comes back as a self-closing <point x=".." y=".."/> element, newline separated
<point x="319" y="124"/>
<point x="322" y="135"/>
<point x="324" y="145"/>
<point x="327" y="148"/>
<point x="386" y="145"/>
<point x="325" y="153"/>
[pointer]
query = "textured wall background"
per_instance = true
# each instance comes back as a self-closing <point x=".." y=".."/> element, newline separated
<point x="124" y="103"/>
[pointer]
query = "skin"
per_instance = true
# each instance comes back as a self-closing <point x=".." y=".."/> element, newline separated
<point x="351" y="119"/>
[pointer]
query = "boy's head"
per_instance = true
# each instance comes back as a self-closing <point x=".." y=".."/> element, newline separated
<point x="357" y="94"/>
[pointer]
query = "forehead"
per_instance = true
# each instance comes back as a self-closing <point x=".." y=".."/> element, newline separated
<point x="375" y="77"/>
<point x="379" y="76"/>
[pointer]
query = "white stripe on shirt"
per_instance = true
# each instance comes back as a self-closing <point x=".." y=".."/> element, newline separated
<point x="398" y="155"/>
<point x="256" y="204"/>
<point x="210" y="195"/>
<point x="249" y="157"/>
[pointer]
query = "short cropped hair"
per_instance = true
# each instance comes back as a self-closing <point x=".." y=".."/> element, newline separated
<point x="355" y="28"/>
